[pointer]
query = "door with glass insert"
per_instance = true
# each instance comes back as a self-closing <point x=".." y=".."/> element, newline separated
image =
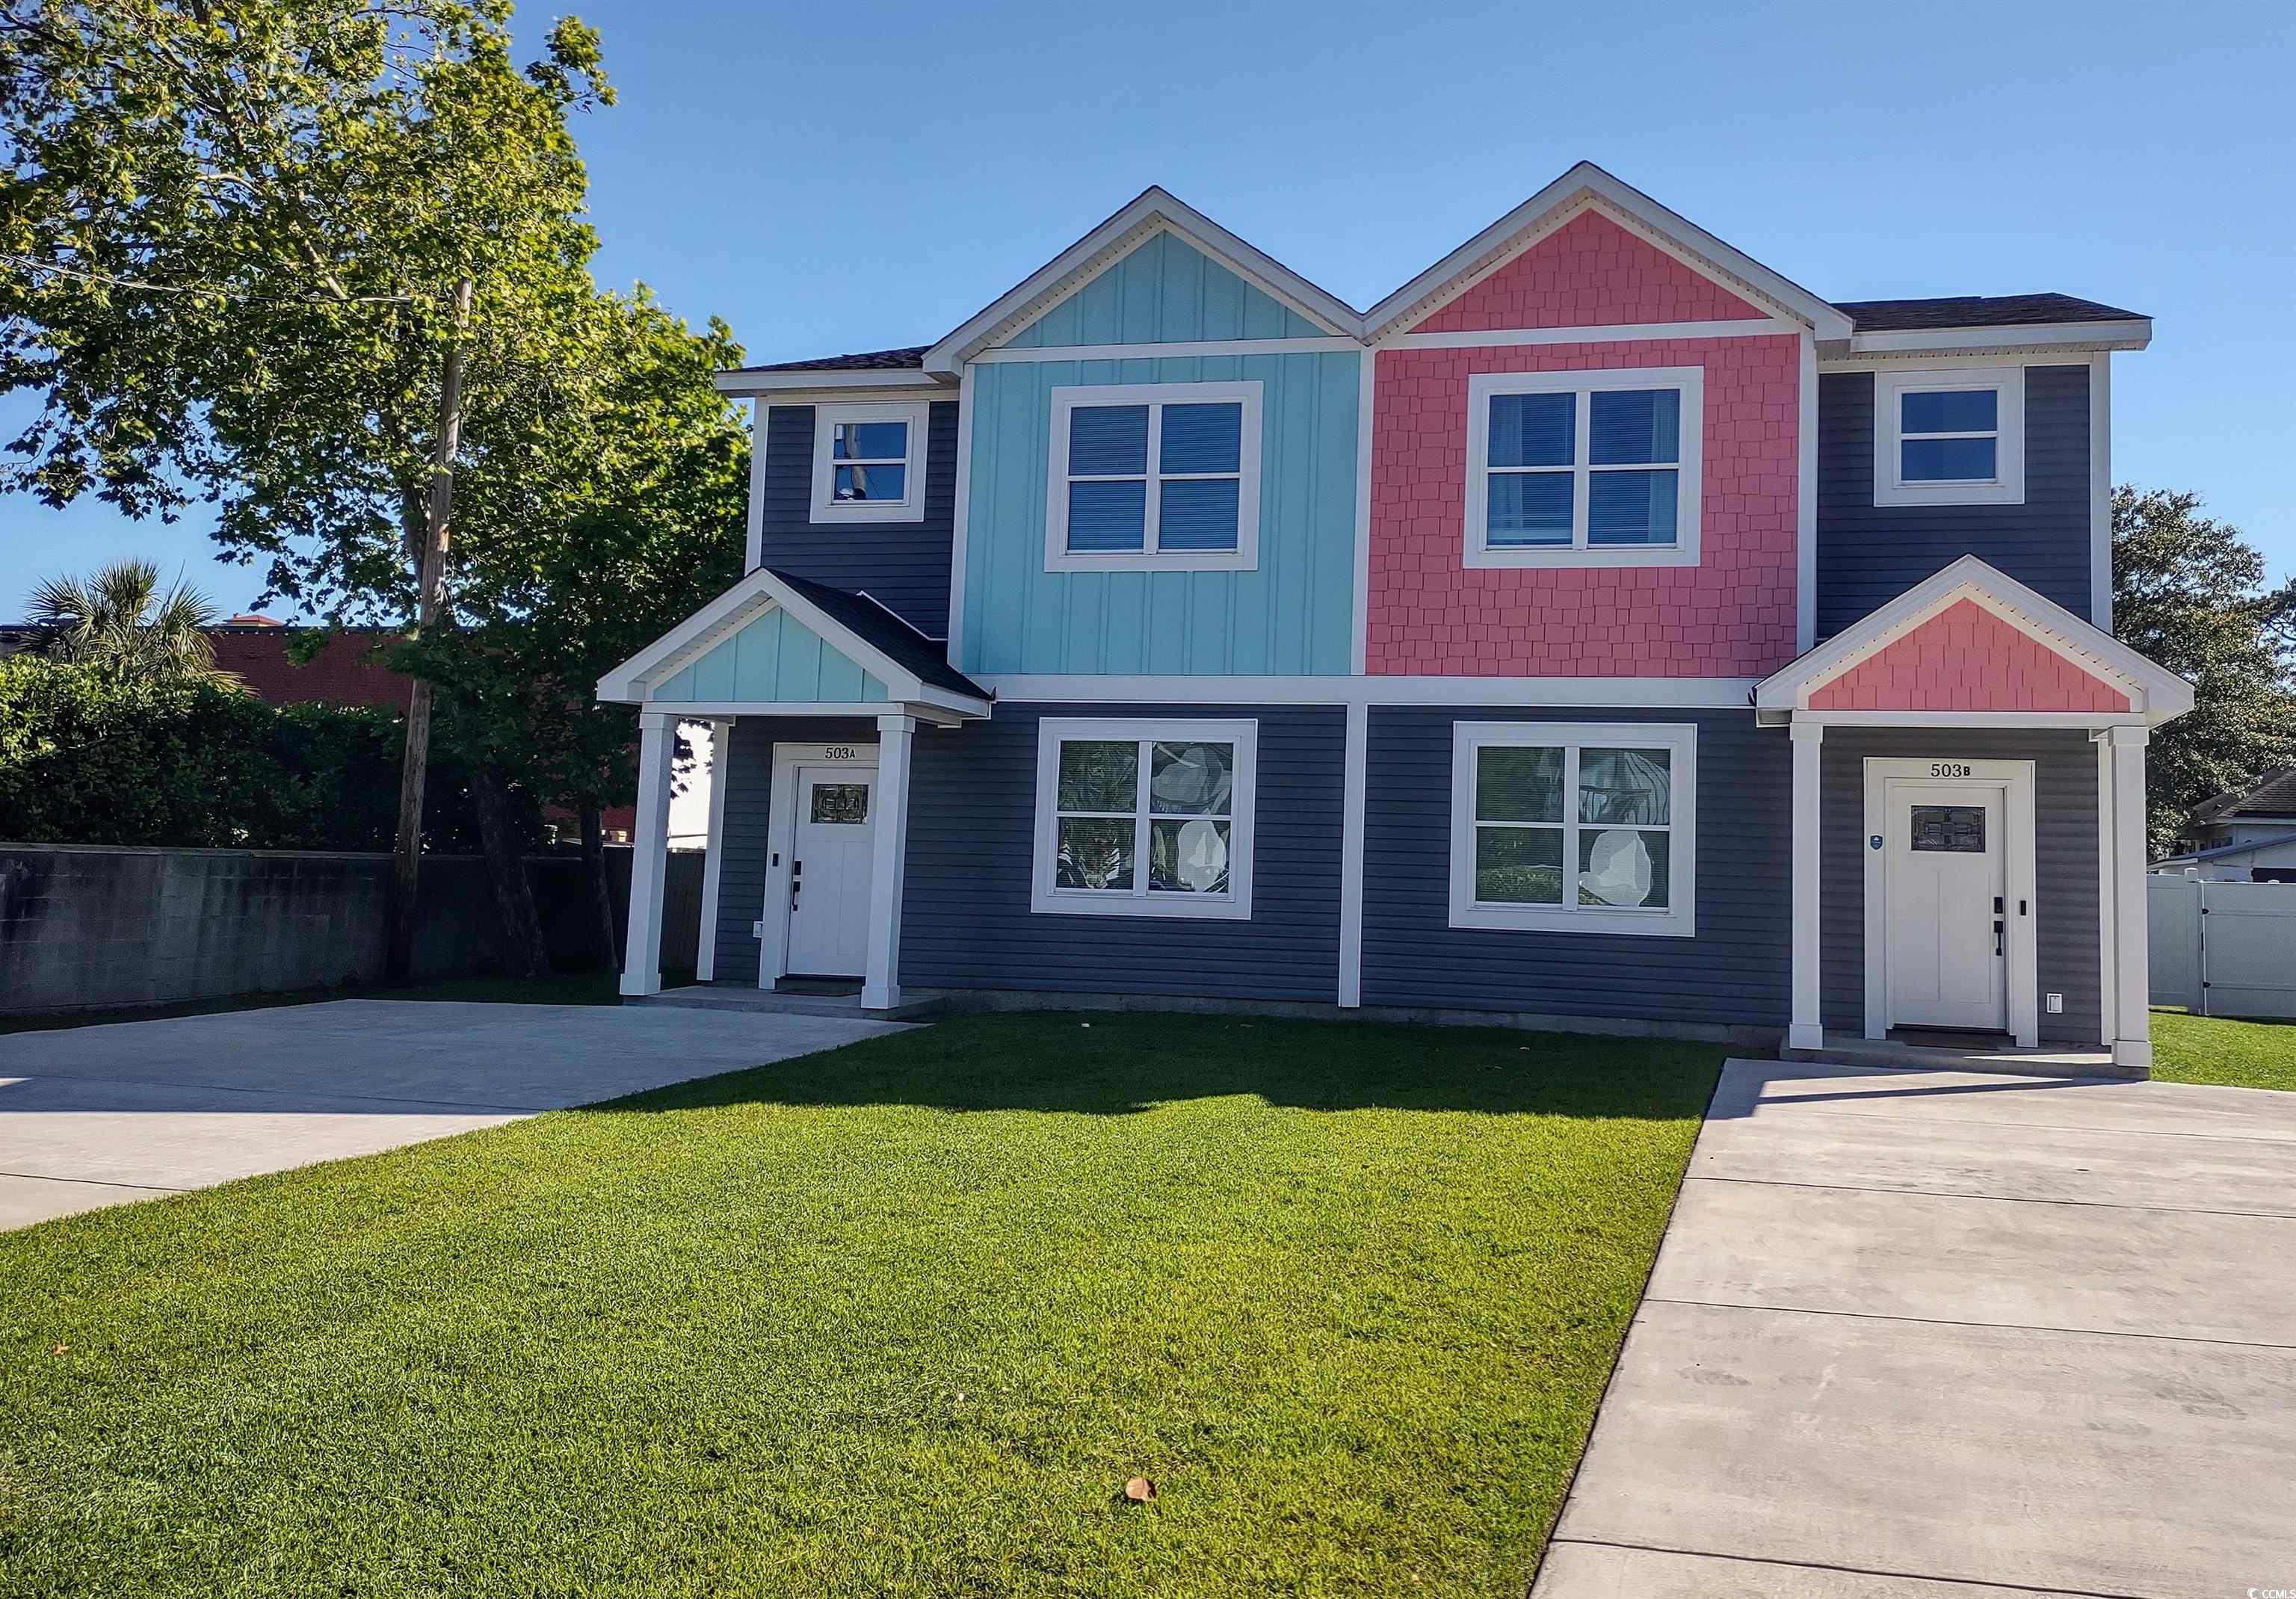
<point x="1946" y="924"/>
<point x="830" y="854"/>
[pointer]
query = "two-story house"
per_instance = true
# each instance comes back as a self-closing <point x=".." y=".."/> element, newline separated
<point x="1602" y="629"/>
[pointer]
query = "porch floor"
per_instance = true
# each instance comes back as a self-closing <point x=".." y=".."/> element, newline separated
<point x="1855" y="1049"/>
<point x="748" y="996"/>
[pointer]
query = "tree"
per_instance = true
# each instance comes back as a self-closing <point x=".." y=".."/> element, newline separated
<point x="119" y="621"/>
<point x="2190" y="593"/>
<point x="292" y="257"/>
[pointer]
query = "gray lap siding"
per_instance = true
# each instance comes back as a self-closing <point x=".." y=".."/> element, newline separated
<point x="965" y="920"/>
<point x="1734" y="972"/>
<point x="749" y="771"/>
<point x="2064" y="862"/>
<point x="905" y="565"/>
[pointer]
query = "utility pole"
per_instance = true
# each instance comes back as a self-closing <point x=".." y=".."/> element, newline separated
<point x="406" y="869"/>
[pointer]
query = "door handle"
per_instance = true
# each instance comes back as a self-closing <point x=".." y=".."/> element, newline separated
<point x="797" y="880"/>
<point x="1997" y="949"/>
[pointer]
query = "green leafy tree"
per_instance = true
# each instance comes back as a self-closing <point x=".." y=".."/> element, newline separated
<point x="291" y="256"/>
<point x="120" y="620"/>
<point x="2190" y="592"/>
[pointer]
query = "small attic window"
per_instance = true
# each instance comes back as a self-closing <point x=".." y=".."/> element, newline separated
<point x="1949" y="436"/>
<point x="868" y="464"/>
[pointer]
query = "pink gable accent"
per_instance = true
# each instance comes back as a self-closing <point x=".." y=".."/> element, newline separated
<point x="1730" y="616"/>
<point x="1588" y="273"/>
<point x="1965" y="657"/>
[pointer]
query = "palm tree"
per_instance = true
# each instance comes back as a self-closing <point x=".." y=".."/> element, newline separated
<point x="120" y="619"/>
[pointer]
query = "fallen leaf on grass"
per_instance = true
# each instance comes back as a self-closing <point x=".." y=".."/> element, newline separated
<point x="1139" y="1490"/>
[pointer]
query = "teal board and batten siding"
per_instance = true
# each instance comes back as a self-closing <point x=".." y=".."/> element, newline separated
<point x="776" y="659"/>
<point x="1165" y="292"/>
<point x="1292" y="615"/>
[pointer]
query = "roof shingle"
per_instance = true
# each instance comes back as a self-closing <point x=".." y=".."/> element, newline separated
<point x="2274" y="794"/>
<point x="909" y="357"/>
<point x="1977" y="311"/>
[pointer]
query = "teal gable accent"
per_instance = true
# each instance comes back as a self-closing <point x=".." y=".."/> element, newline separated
<point x="775" y="659"/>
<point x="1165" y="292"/>
<point x="1294" y="614"/>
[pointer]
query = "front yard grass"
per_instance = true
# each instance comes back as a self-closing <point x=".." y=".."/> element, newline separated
<point x="897" y="1319"/>
<point x="2216" y="1049"/>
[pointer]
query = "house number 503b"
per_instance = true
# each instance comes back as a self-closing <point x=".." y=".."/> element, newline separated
<point x="1948" y="768"/>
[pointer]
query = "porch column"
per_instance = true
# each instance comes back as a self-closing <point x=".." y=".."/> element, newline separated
<point x="705" y="959"/>
<point x="2132" y="1039"/>
<point x="649" y="852"/>
<point x="1808" y="1030"/>
<point x="880" y="989"/>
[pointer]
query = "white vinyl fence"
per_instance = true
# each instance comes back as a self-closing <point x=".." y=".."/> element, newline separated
<point x="2223" y="949"/>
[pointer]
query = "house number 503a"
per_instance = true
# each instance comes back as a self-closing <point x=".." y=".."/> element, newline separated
<point x="841" y="752"/>
<point x="1948" y="768"/>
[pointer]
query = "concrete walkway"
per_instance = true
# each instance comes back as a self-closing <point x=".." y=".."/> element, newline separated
<point x="93" y="1116"/>
<point x="1954" y="1336"/>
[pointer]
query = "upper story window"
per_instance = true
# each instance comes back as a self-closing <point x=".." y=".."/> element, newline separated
<point x="869" y="463"/>
<point x="1949" y="436"/>
<point x="1144" y="817"/>
<point x="1158" y="477"/>
<point x="1575" y="826"/>
<point x="1584" y="468"/>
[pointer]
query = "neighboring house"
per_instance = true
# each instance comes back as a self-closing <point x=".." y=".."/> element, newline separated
<point x="2246" y="836"/>
<point x="1601" y="628"/>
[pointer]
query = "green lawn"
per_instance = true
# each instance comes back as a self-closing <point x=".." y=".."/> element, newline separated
<point x="899" y="1319"/>
<point x="2216" y="1049"/>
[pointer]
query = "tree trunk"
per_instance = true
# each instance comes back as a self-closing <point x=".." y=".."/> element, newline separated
<point x="414" y="769"/>
<point x="523" y="953"/>
<point x="601" y="897"/>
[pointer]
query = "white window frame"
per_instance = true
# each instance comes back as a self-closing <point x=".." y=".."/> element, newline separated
<point x="1678" y="920"/>
<point x="1482" y="387"/>
<point x="1245" y="557"/>
<point x="2006" y="487"/>
<point x="911" y="506"/>
<point x="1047" y="898"/>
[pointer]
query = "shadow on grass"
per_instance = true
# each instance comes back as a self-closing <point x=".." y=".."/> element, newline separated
<point x="1115" y="1065"/>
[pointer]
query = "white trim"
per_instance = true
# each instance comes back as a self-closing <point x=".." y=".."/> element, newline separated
<point x="2132" y="335"/>
<point x="1888" y="776"/>
<point x="1616" y="332"/>
<point x="759" y="592"/>
<point x="2107" y="950"/>
<point x="1806" y="1028"/>
<point x="1482" y="387"/>
<point x="1963" y="718"/>
<point x="810" y="387"/>
<point x="754" y="547"/>
<point x="2132" y="1039"/>
<point x="1565" y="198"/>
<point x="1806" y="498"/>
<point x="880" y="984"/>
<point x="781" y="841"/>
<point x="960" y="530"/>
<point x="1047" y="898"/>
<point x="2100" y="489"/>
<point x="1359" y="621"/>
<point x="1678" y="920"/>
<point x="1354" y="783"/>
<point x="713" y="861"/>
<point x="924" y="710"/>
<point x="2006" y="487"/>
<point x="911" y="506"/>
<point x="1154" y="209"/>
<point x="1711" y="694"/>
<point x="1315" y="344"/>
<point x="2157" y="694"/>
<point x="649" y="854"/>
<point x="1065" y="401"/>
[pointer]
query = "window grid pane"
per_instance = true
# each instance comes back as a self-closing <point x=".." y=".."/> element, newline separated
<point x="1948" y="460"/>
<point x="1164" y="475"/>
<point x="1949" y="411"/>
<point x="1589" y="441"/>
<point x="1119" y="800"/>
<point x="1613" y="851"/>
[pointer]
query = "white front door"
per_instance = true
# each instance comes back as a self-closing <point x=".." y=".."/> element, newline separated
<point x="830" y="856"/>
<point x="1948" y="927"/>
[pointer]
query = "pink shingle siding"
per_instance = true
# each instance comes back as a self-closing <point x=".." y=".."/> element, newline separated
<point x="1731" y="615"/>
<point x="1965" y="657"/>
<point x="1588" y="273"/>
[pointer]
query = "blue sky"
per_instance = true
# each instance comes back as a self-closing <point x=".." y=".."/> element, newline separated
<point x="853" y="177"/>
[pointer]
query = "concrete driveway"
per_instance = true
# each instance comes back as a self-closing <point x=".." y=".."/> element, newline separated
<point x="94" y="1116"/>
<point x="1956" y="1336"/>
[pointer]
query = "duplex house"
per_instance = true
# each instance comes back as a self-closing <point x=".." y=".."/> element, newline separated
<point x="1603" y="628"/>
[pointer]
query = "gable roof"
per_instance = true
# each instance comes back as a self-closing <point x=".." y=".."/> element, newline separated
<point x="1153" y="210"/>
<point x="914" y="668"/>
<point x="2155" y="693"/>
<point x="2274" y="794"/>
<point x="1586" y="184"/>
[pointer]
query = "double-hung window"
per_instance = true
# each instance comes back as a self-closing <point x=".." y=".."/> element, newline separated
<point x="1144" y="817"/>
<point x="1158" y="477"/>
<point x="1584" y="468"/>
<point x="1949" y="436"/>
<point x="868" y="462"/>
<point x="1575" y="826"/>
